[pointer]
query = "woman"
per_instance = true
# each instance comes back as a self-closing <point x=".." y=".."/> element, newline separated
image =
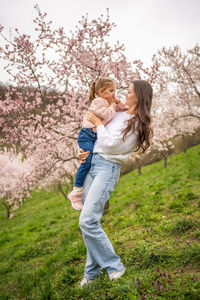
<point x="127" y="132"/>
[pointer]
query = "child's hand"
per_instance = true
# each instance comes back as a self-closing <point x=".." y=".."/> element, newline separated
<point x="117" y="101"/>
<point x="110" y="98"/>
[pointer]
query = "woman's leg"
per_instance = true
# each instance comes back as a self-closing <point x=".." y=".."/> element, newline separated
<point x="91" y="262"/>
<point x="100" y="252"/>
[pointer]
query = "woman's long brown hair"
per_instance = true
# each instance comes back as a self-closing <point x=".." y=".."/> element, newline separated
<point x="141" y="120"/>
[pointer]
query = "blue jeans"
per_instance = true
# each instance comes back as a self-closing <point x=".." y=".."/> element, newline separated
<point x="99" y="184"/>
<point x="86" y="140"/>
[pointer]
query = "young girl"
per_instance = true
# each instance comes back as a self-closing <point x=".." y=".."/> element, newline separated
<point x="104" y="104"/>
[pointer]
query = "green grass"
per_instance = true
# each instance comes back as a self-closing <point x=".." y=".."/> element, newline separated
<point x="153" y="224"/>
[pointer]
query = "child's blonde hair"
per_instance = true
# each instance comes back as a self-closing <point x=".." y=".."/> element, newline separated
<point x="102" y="83"/>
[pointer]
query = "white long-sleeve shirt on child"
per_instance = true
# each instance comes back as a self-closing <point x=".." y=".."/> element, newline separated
<point x="101" y="108"/>
<point x="110" y="144"/>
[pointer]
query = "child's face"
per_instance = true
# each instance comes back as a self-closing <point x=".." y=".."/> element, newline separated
<point x="108" y="93"/>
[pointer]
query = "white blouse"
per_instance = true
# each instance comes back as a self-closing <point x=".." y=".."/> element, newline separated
<point x="110" y="144"/>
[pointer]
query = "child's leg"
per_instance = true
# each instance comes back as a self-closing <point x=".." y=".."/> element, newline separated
<point x="76" y="195"/>
<point x="83" y="169"/>
<point x="86" y="140"/>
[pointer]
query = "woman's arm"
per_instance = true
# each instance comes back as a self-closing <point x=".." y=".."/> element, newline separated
<point x="90" y="116"/>
<point x="111" y="143"/>
<point x="82" y="155"/>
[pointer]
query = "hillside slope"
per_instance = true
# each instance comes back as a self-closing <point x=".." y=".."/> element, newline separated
<point x="153" y="223"/>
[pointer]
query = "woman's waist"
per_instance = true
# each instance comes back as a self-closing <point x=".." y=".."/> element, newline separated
<point x="117" y="158"/>
<point x="98" y="158"/>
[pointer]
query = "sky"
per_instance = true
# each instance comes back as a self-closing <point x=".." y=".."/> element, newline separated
<point x="144" y="26"/>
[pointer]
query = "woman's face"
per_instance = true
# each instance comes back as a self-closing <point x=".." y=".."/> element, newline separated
<point x="131" y="98"/>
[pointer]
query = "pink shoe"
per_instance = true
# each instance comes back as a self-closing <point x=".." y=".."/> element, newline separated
<point x="76" y="200"/>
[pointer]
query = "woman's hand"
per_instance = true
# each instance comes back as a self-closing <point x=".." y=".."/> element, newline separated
<point x="90" y="116"/>
<point x="82" y="155"/>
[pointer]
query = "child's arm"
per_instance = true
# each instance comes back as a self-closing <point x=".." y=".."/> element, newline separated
<point x="120" y="106"/>
<point x="101" y="108"/>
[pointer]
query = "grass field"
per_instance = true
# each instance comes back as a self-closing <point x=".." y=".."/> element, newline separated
<point x="153" y="224"/>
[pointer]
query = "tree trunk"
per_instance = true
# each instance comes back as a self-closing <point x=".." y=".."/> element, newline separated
<point x="106" y="207"/>
<point x="60" y="189"/>
<point x="165" y="162"/>
<point x="140" y="170"/>
<point x="184" y="144"/>
<point x="7" y="208"/>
